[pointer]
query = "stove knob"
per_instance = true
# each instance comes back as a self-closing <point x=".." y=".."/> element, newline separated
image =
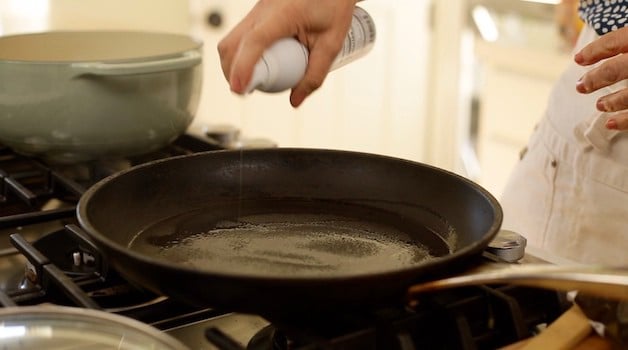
<point x="508" y="246"/>
<point x="225" y="135"/>
<point x="252" y="143"/>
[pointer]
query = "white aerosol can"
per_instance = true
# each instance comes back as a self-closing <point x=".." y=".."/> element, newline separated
<point x="283" y="64"/>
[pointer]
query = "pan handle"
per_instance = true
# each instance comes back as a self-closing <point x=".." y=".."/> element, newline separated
<point x="187" y="60"/>
<point x="602" y="281"/>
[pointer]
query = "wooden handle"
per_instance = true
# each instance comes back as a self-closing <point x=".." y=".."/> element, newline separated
<point x="565" y="333"/>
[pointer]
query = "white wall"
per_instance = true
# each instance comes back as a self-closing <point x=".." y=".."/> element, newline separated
<point x="20" y="16"/>
<point x="158" y="15"/>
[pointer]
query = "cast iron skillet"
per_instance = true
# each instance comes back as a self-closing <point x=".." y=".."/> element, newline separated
<point x="281" y="231"/>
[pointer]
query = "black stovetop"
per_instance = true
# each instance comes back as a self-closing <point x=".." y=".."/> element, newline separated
<point x="46" y="258"/>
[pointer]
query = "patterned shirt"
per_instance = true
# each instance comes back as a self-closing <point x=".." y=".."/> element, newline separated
<point x="604" y="15"/>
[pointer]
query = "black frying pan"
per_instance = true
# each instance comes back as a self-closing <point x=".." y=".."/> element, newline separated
<point x="284" y="230"/>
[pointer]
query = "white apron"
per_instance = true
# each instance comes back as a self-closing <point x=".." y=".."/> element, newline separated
<point x="569" y="193"/>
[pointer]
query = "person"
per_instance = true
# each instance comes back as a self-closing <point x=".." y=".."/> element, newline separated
<point x="321" y="25"/>
<point x="569" y="191"/>
<point x="568" y="194"/>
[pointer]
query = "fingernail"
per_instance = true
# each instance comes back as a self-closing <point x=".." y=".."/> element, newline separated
<point x="612" y="124"/>
<point x="236" y="86"/>
<point x="580" y="86"/>
<point x="296" y="101"/>
<point x="578" y="58"/>
<point x="296" y="98"/>
<point x="601" y="106"/>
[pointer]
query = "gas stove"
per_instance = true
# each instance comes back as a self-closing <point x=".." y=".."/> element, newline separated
<point x="46" y="258"/>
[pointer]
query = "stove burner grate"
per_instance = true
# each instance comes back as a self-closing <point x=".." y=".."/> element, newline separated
<point x="478" y="317"/>
<point x="32" y="191"/>
<point x="63" y="267"/>
<point x="53" y="275"/>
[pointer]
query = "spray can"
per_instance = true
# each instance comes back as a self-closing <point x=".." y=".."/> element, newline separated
<point x="284" y="63"/>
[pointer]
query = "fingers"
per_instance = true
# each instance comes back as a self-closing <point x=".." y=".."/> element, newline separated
<point x="244" y="45"/>
<point x="618" y="122"/>
<point x="324" y="48"/>
<point x="229" y="45"/>
<point x="608" y="45"/>
<point x="608" y="73"/>
<point x="321" y="58"/>
<point x="252" y="46"/>
<point x="614" y="102"/>
<point x="267" y="25"/>
<point x="314" y="23"/>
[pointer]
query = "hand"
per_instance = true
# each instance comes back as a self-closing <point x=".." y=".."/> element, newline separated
<point x="320" y="25"/>
<point x="610" y="46"/>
